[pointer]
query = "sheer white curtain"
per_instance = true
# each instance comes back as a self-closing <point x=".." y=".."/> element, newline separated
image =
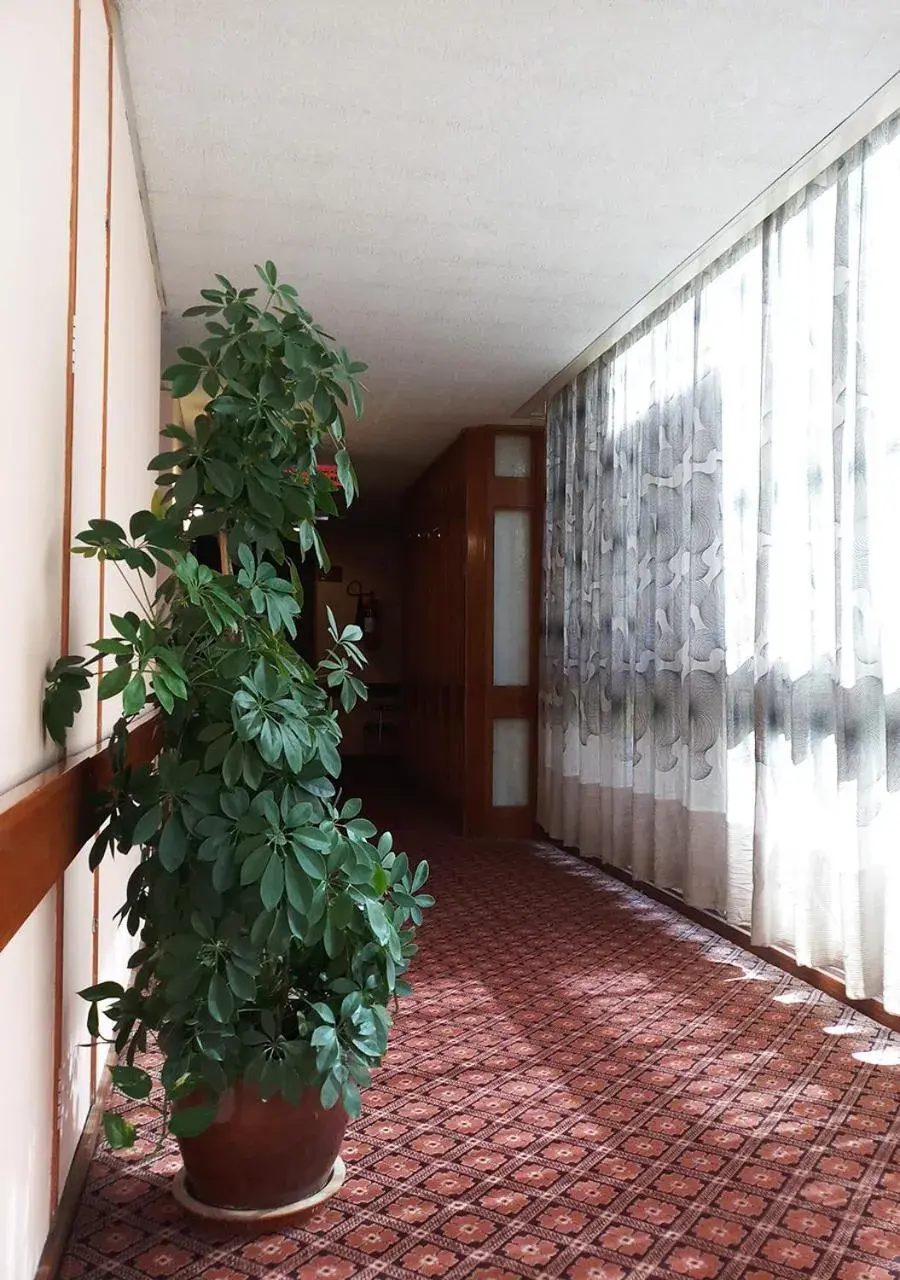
<point x="720" y="705"/>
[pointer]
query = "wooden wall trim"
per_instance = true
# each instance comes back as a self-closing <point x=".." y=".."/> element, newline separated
<point x="479" y="653"/>
<point x="65" y="586"/>
<point x="104" y="447"/>
<point x="487" y="494"/>
<point x="45" y="821"/>
<point x="824" y="982"/>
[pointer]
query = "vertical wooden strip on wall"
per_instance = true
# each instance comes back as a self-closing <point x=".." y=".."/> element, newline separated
<point x="451" y="701"/>
<point x="479" y="632"/>
<point x="434" y="628"/>
<point x="59" y="892"/>
<point x="104" y="422"/>
<point x="510" y="702"/>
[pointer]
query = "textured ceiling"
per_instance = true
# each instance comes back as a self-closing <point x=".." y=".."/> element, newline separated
<point x="468" y="193"/>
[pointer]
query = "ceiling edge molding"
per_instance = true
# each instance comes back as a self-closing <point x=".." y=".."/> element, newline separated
<point x="873" y="112"/>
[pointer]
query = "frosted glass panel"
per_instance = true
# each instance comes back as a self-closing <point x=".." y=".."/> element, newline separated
<point x="512" y="455"/>
<point x="510" y="783"/>
<point x="512" y="585"/>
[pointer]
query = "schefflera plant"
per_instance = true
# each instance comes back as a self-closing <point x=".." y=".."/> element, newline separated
<point x="273" y="924"/>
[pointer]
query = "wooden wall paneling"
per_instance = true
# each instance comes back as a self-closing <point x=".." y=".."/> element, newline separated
<point x="433" y="635"/>
<point x="538" y="508"/>
<point x="450" y="699"/>
<point x="478" y="631"/>
<point x="45" y="822"/>
<point x="487" y="494"/>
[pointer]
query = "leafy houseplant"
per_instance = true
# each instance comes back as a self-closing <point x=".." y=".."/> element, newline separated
<point x="273" y="925"/>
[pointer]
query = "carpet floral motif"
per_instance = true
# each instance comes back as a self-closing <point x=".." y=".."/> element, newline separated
<point x="584" y="1086"/>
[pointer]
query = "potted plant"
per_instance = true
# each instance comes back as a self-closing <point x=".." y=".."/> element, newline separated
<point x="273" y="924"/>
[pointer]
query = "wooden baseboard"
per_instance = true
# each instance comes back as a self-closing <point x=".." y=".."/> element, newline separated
<point x="824" y="982"/>
<point x="66" y="1209"/>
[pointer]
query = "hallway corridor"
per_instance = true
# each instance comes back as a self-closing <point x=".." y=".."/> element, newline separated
<point x="583" y="1085"/>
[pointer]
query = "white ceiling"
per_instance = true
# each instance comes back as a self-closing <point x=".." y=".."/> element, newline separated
<point x="467" y="193"/>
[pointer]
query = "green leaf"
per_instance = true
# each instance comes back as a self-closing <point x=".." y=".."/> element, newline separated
<point x="245" y="556"/>
<point x="173" y="844"/>
<point x="119" y="1133"/>
<point x="310" y="860"/>
<point x="163" y="693"/>
<point x="269" y="742"/>
<point x="271" y="887"/>
<point x="346" y="474"/>
<point x="361" y="829"/>
<point x="131" y="1081"/>
<point x="255" y="865"/>
<point x="299" y="889"/>
<point x="263" y="501"/>
<point x="330" y="1092"/>
<point x="135" y="696"/>
<point x="98" y="848"/>
<point x="147" y="825"/>
<point x="108" y="529"/>
<point x="253" y="770"/>
<point x="378" y="920"/>
<point x="183" y="378"/>
<point x="214" y="730"/>
<point x="241" y="983"/>
<point x="126" y="626"/>
<point x="188" y="1122"/>
<point x="184" y="490"/>
<point x="173" y="683"/>
<point x="216" y="752"/>
<point x="109" y="645"/>
<point x="190" y="355"/>
<point x="351" y="1098"/>
<point x="223" y="476"/>
<point x="234" y="804"/>
<point x="323" y="405"/>
<point x="114" y="682"/>
<point x="329" y="756"/>
<point x="103" y="991"/>
<point x="333" y="938"/>
<point x="220" y="1000"/>
<point x="233" y="764"/>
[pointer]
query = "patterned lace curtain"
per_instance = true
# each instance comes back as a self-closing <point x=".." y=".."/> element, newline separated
<point x="720" y="701"/>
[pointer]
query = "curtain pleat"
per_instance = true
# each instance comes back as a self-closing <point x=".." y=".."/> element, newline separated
<point x="720" y="692"/>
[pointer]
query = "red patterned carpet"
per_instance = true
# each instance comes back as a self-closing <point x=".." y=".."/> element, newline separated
<point x="584" y="1085"/>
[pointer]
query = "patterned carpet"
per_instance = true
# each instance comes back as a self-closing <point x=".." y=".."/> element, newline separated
<point x="584" y="1085"/>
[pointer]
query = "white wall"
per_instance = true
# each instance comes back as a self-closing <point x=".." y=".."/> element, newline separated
<point x="36" y="67"/>
<point x="35" y="149"/>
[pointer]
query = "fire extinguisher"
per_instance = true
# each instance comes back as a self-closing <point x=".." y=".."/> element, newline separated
<point x="366" y="615"/>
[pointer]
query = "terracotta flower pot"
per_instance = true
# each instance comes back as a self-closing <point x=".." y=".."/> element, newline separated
<point x="263" y="1155"/>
